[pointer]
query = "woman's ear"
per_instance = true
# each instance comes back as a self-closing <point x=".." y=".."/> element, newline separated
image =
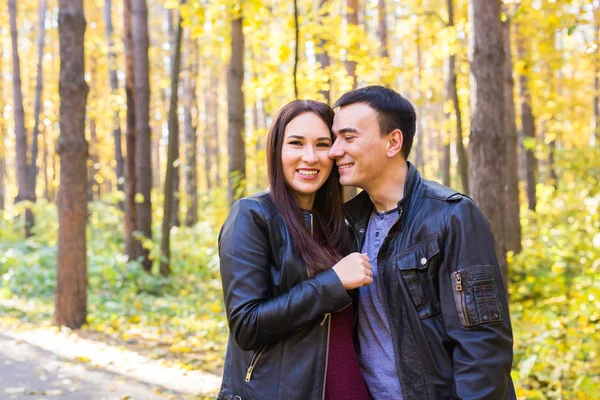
<point x="395" y="140"/>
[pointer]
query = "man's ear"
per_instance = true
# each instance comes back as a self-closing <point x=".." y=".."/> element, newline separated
<point x="395" y="140"/>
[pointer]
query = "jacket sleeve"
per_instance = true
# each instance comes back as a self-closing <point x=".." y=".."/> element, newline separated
<point x="474" y="305"/>
<point x="255" y="319"/>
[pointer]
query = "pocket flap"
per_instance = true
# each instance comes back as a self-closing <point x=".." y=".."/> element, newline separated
<point x="417" y="257"/>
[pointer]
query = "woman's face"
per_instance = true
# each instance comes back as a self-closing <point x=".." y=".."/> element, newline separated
<point x="306" y="166"/>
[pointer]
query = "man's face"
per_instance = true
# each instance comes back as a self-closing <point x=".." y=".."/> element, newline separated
<point x="359" y="150"/>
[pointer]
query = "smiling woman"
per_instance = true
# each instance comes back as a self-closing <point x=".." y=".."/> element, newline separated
<point x="306" y="165"/>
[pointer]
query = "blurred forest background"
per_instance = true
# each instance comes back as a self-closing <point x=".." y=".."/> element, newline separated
<point x="137" y="126"/>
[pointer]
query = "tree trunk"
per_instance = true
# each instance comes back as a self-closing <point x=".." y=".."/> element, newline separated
<point x="2" y="174"/>
<point x="595" y="137"/>
<point x="114" y="87"/>
<point x="215" y="130"/>
<point x="382" y="29"/>
<point x="210" y="113"/>
<point x="93" y="150"/>
<point x="236" y="110"/>
<point x="175" y="176"/>
<point x="33" y="170"/>
<point x="71" y="278"/>
<point x="512" y="226"/>
<point x="130" y="136"/>
<point x="2" y="136"/>
<point x="165" y="246"/>
<point x="157" y="131"/>
<point x="189" y="96"/>
<point x="452" y="93"/>
<point x="559" y="93"/>
<point x="93" y="185"/>
<point x="527" y="124"/>
<point x="450" y="75"/>
<point x="351" y="19"/>
<point x="419" y="162"/>
<point x="296" y="48"/>
<point x="142" y="127"/>
<point x="45" y="151"/>
<point x="488" y="145"/>
<point x="323" y="57"/>
<point x="19" y="115"/>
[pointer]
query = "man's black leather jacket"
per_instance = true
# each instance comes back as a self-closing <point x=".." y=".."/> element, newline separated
<point x="279" y="318"/>
<point x="445" y="298"/>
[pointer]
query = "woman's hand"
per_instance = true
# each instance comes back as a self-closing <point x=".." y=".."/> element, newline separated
<point x="354" y="271"/>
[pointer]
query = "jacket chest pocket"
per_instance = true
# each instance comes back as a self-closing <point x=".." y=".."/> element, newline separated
<point x="476" y="295"/>
<point x="416" y="267"/>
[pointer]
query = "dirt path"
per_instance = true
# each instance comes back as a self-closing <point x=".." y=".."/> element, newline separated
<point x="41" y="364"/>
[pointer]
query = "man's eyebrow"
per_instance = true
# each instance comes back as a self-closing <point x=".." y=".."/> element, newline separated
<point x="347" y="130"/>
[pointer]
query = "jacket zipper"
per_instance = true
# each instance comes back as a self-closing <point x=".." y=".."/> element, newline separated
<point x="328" y="319"/>
<point x="459" y="289"/>
<point x="253" y="362"/>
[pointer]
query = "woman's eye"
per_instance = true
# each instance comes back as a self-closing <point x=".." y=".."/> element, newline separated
<point x="323" y="144"/>
<point x="296" y="143"/>
<point x="348" y="138"/>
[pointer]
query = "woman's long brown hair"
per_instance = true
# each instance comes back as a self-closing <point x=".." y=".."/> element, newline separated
<point x="328" y="215"/>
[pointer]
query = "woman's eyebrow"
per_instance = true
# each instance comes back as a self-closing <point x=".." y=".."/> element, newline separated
<point x="302" y="137"/>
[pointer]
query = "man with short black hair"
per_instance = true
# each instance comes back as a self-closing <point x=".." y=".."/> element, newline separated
<point x="434" y="324"/>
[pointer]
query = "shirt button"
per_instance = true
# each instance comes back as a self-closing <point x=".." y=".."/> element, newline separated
<point x="423" y="261"/>
<point x="376" y="234"/>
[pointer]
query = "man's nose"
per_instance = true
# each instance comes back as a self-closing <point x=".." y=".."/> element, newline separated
<point x="336" y="150"/>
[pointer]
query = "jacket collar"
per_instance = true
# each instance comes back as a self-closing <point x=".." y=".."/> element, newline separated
<point x="359" y="208"/>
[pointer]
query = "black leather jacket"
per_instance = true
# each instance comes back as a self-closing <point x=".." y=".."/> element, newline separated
<point x="445" y="298"/>
<point x="279" y="318"/>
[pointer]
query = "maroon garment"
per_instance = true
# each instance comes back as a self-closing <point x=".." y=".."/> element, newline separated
<point x="344" y="378"/>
